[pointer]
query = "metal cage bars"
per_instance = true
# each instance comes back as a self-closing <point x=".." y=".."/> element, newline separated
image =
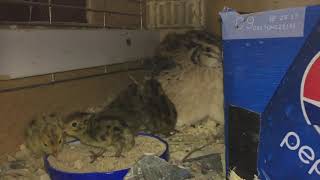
<point x="51" y="5"/>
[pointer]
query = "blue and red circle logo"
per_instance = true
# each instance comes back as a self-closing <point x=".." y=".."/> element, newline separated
<point x="310" y="93"/>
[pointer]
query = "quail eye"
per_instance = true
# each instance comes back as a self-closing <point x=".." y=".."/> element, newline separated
<point x="45" y="144"/>
<point x="74" y="124"/>
<point x="60" y="141"/>
<point x="208" y="49"/>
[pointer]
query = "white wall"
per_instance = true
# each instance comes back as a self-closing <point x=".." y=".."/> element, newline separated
<point x="31" y="52"/>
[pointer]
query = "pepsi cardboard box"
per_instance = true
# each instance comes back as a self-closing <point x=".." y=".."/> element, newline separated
<point x="272" y="93"/>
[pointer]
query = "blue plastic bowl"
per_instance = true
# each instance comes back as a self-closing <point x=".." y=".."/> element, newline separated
<point x="113" y="175"/>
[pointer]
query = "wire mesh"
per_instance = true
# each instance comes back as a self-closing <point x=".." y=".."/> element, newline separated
<point x="47" y="7"/>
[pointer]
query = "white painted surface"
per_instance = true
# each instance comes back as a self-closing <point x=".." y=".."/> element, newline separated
<point x="33" y="52"/>
<point x="175" y="14"/>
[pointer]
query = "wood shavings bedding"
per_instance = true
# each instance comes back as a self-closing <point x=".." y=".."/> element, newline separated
<point x="190" y="138"/>
<point x="22" y="166"/>
<point x="76" y="158"/>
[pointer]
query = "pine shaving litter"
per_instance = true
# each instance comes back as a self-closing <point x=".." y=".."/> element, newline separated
<point x="76" y="158"/>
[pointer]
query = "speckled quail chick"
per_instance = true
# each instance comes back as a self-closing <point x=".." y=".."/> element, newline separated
<point x="160" y="113"/>
<point x="145" y="107"/>
<point x="139" y="108"/>
<point x="203" y="48"/>
<point x="44" y="135"/>
<point x="99" y="130"/>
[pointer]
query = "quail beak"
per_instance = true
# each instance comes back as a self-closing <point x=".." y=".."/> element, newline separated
<point x="55" y="153"/>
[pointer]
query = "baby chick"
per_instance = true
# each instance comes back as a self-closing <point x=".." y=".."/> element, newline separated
<point x="100" y="130"/>
<point x="44" y="136"/>
<point x="145" y="107"/>
<point x="160" y="112"/>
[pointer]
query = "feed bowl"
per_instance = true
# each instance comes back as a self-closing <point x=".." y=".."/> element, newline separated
<point x="56" y="174"/>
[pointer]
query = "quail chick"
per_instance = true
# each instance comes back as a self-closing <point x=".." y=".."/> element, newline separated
<point x="144" y="107"/>
<point x="160" y="112"/>
<point x="139" y="108"/>
<point x="44" y="136"/>
<point x="202" y="47"/>
<point x="100" y="130"/>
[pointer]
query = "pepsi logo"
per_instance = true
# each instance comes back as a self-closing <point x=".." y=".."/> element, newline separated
<point x="310" y="93"/>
